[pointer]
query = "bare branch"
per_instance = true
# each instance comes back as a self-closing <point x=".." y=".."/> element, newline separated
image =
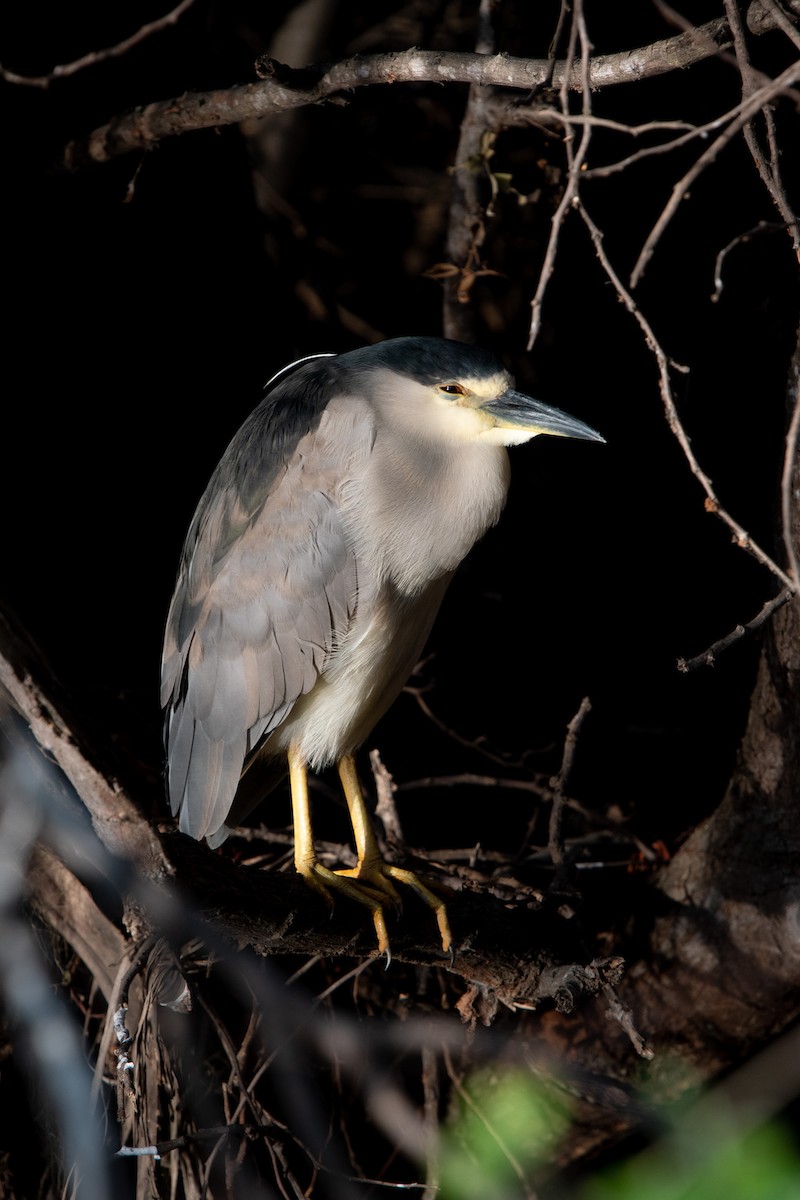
<point x="559" y="783"/>
<point x="790" y="479"/>
<point x="66" y="905"/>
<point x="699" y="131"/>
<point x="740" y="535"/>
<point x="477" y="744"/>
<point x="769" y="173"/>
<point x="740" y="240"/>
<point x="98" y="56"/>
<point x="117" y="821"/>
<point x="709" y="656"/>
<point x="466" y="225"/>
<point x="575" y="161"/>
<point x="143" y="128"/>
<point x="777" y="14"/>
<point x="385" y="807"/>
<point x="747" y="111"/>
<point x="619" y="1012"/>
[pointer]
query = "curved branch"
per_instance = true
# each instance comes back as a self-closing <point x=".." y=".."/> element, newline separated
<point x="98" y="56"/>
<point x="285" y="89"/>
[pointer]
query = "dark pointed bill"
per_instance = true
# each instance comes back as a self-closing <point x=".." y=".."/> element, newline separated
<point x="514" y="410"/>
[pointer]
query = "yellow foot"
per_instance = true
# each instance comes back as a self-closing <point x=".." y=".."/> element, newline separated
<point x="378" y="875"/>
<point x="370" y="884"/>
<point x="431" y="899"/>
<point x="323" y="881"/>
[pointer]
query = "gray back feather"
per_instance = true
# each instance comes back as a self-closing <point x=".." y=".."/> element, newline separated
<point x="265" y="590"/>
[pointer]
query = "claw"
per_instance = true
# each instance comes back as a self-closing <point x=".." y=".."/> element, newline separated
<point x="427" y="896"/>
<point x="324" y="881"/>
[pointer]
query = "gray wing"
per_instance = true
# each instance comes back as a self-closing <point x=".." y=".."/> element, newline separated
<point x="266" y="590"/>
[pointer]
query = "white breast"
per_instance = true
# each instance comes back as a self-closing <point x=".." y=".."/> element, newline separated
<point x="417" y="518"/>
<point x="411" y="522"/>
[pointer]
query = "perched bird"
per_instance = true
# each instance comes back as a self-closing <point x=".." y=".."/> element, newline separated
<point x="312" y="571"/>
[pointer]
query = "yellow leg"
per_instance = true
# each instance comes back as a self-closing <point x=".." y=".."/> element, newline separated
<point x="305" y="859"/>
<point x="371" y="867"/>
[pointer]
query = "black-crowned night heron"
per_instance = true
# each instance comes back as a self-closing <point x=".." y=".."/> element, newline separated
<point x="312" y="571"/>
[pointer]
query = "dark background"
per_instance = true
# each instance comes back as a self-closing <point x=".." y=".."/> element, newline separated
<point x="148" y="300"/>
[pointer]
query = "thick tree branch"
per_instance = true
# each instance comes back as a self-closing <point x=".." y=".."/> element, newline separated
<point x="116" y="819"/>
<point x="149" y="124"/>
<point x="66" y="906"/>
<point x="730" y="926"/>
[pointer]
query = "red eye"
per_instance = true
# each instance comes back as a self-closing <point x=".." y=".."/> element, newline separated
<point x="452" y="389"/>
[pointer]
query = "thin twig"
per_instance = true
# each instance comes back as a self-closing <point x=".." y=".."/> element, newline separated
<point x="789" y="479"/>
<point x="619" y="1012"/>
<point x="430" y="1092"/>
<point x="681" y="189"/>
<point x="699" y="132"/>
<point x="769" y="173"/>
<point x="575" y="161"/>
<point x="98" y="56"/>
<point x="493" y="1133"/>
<point x="709" y="656"/>
<point x="740" y="535"/>
<point x="467" y="217"/>
<point x="740" y="240"/>
<point x="245" y="1131"/>
<point x="559" y="783"/>
<point x="478" y="745"/>
<point x="470" y="779"/>
<point x="122" y="979"/>
<point x="385" y="807"/>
